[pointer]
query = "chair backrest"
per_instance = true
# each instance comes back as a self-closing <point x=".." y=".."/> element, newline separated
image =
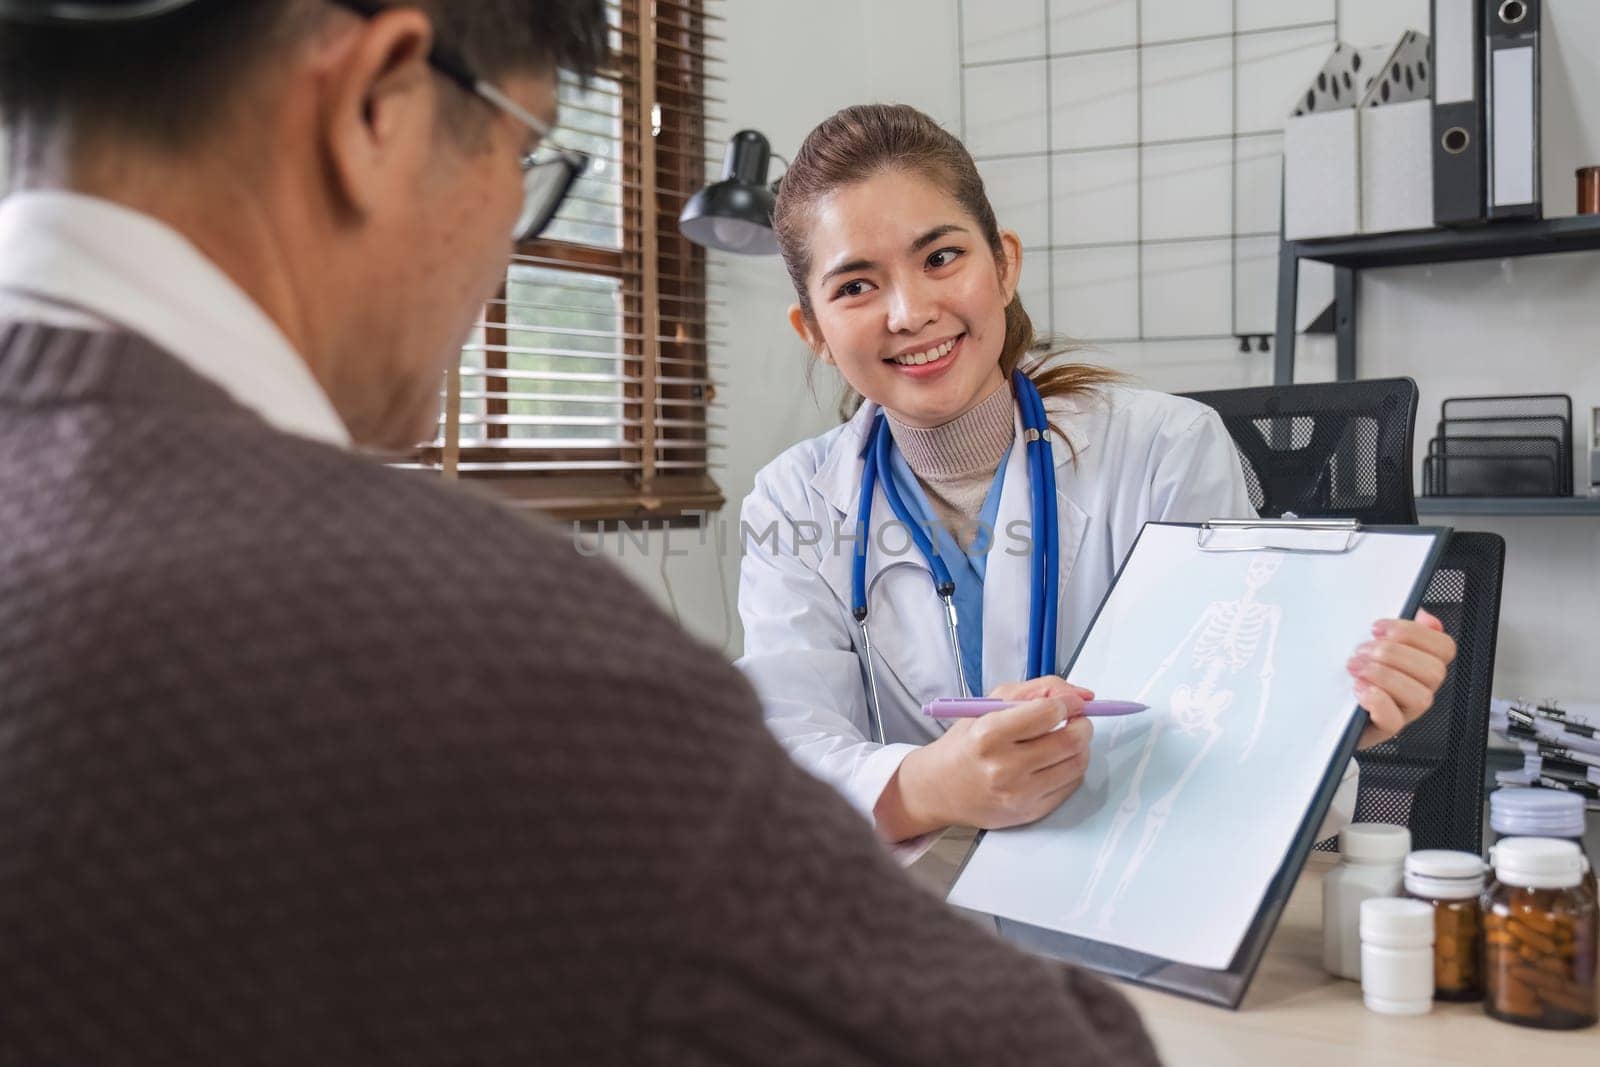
<point x="1430" y="775"/>
<point x="1325" y="450"/>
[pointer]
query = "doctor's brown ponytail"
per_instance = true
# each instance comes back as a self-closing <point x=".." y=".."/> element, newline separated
<point x="861" y="141"/>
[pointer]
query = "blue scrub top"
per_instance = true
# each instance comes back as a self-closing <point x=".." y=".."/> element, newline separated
<point x="967" y="569"/>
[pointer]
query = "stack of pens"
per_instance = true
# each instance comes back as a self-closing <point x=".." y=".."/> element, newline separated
<point x="1560" y="746"/>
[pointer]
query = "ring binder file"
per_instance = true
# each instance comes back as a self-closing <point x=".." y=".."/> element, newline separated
<point x="1458" y="129"/>
<point x="1512" y="70"/>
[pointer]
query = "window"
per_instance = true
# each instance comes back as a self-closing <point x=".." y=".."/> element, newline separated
<point x="585" y="390"/>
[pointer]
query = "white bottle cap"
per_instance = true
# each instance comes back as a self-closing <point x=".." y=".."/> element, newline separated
<point x="1374" y="842"/>
<point x="1538" y="862"/>
<point x="1440" y="874"/>
<point x="1396" y="922"/>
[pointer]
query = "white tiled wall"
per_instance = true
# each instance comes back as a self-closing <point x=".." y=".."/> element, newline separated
<point x="1091" y="24"/>
<point x="1094" y="101"/>
<point x="1188" y="190"/>
<point x="993" y="30"/>
<point x="1186" y="90"/>
<point x="1186" y="288"/>
<point x="1006" y="104"/>
<point x="1263" y="14"/>
<point x="1269" y="62"/>
<point x="1019" y="189"/>
<point x="1134" y="146"/>
<point x="1096" y="197"/>
<point x="1096" y="289"/>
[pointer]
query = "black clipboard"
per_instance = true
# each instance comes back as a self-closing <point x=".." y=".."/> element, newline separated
<point x="1226" y="987"/>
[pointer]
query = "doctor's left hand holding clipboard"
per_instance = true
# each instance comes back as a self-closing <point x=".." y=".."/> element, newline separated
<point x="1398" y="673"/>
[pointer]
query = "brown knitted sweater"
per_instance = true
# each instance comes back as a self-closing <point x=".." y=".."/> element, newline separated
<point x="307" y="761"/>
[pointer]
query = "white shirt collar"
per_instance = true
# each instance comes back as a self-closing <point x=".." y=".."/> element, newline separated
<point x="79" y="261"/>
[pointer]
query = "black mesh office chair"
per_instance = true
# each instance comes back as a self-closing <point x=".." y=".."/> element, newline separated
<point x="1327" y="450"/>
<point x="1430" y="775"/>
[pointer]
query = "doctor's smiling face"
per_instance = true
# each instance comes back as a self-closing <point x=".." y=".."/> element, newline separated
<point x="906" y="295"/>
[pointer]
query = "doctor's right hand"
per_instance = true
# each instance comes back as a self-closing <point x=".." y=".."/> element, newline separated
<point x="1003" y="769"/>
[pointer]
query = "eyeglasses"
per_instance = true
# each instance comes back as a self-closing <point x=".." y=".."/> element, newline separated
<point x="547" y="173"/>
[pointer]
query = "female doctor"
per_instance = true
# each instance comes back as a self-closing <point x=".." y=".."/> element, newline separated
<point x="906" y="285"/>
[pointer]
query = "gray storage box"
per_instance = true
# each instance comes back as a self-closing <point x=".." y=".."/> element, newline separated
<point x="1397" y="142"/>
<point x="1358" y="148"/>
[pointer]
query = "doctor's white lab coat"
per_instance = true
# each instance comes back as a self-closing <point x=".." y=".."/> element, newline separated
<point x="1141" y="456"/>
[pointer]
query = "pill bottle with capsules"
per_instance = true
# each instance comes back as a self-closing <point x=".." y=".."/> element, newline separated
<point x="1451" y="883"/>
<point x="1526" y="812"/>
<point x="1541" y="936"/>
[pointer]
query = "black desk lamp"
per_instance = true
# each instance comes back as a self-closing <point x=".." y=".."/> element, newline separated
<point x="735" y="214"/>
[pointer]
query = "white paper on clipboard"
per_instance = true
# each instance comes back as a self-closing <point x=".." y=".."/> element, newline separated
<point x="1189" y="809"/>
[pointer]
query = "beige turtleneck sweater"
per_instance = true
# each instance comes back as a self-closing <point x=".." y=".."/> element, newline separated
<point x="956" y="462"/>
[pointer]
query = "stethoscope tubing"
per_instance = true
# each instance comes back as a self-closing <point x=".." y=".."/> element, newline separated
<point x="1043" y="567"/>
<point x="1042" y="636"/>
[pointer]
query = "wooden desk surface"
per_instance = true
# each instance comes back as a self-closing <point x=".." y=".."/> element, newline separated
<point x="1297" y="1014"/>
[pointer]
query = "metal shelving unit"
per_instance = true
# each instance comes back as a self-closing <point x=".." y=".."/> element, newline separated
<point x="1349" y="255"/>
<point x="1508" y="505"/>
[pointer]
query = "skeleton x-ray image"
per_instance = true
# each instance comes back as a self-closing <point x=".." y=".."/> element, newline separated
<point x="1189" y="808"/>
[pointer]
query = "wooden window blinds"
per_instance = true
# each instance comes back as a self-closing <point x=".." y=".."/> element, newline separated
<point x="585" y="390"/>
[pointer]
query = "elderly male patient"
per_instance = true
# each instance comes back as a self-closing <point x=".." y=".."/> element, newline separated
<point x="286" y="775"/>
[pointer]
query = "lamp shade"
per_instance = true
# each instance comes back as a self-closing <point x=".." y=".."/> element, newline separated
<point x="735" y="214"/>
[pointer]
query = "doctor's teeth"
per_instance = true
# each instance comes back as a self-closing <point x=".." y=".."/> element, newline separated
<point x="932" y="355"/>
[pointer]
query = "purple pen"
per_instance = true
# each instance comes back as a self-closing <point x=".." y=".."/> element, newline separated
<point x="967" y="708"/>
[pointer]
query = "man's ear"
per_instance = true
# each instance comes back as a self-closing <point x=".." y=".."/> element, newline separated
<point x="808" y="333"/>
<point x="1010" y="263"/>
<point x="378" y="104"/>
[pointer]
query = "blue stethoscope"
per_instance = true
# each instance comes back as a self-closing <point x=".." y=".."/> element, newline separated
<point x="1044" y="566"/>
